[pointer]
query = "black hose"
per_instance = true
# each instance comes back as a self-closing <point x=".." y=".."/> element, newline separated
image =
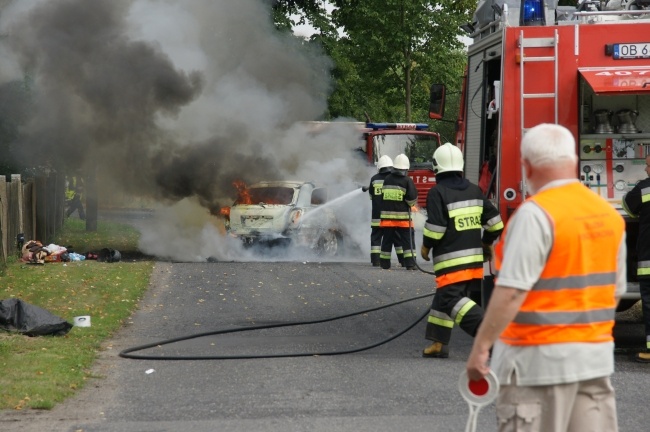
<point x="126" y="353"/>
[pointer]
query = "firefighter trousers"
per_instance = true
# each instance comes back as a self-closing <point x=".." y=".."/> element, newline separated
<point x="452" y="306"/>
<point x="376" y="234"/>
<point x="402" y="238"/>
<point x="644" y="288"/>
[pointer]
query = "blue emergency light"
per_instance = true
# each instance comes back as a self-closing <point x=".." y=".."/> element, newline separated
<point x="398" y="126"/>
<point x="532" y="13"/>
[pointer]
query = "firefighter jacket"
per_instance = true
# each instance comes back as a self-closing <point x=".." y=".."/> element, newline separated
<point x="574" y="298"/>
<point x="399" y="195"/>
<point x="637" y="204"/>
<point x="457" y="212"/>
<point x="376" y="194"/>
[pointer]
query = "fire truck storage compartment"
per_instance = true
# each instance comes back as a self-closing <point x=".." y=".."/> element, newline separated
<point x="614" y="139"/>
<point x="614" y="142"/>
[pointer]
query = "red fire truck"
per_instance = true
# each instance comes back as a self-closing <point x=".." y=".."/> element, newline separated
<point x="392" y="139"/>
<point x="411" y="139"/>
<point x="586" y="68"/>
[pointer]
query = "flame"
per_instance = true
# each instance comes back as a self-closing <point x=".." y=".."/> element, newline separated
<point x="243" y="194"/>
<point x="225" y="212"/>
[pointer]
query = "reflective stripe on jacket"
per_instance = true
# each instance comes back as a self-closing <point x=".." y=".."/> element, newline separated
<point x="459" y="220"/>
<point x="574" y="297"/>
<point x="398" y="196"/>
<point x="376" y="195"/>
<point x="636" y="203"/>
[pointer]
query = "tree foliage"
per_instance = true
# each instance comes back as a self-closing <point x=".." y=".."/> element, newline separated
<point x="387" y="53"/>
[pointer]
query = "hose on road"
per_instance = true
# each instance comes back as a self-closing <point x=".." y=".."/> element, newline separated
<point x="127" y="353"/>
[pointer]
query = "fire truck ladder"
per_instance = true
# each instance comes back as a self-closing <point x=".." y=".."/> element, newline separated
<point x="538" y="43"/>
<point x="523" y="59"/>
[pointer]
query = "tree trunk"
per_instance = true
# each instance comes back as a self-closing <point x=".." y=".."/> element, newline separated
<point x="91" y="200"/>
<point x="407" y="92"/>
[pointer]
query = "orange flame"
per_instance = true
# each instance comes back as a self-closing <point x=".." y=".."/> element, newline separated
<point x="225" y="212"/>
<point x="243" y="194"/>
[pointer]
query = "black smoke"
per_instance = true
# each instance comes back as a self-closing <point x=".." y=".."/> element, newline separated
<point x="107" y="96"/>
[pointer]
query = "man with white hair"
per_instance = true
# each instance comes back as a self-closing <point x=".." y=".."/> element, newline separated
<point x="560" y="273"/>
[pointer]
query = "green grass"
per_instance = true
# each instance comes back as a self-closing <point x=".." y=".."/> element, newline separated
<point x="39" y="372"/>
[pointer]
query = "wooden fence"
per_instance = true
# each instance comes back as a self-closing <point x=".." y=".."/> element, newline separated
<point x="34" y="207"/>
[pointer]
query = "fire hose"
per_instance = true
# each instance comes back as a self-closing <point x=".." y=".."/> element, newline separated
<point x="128" y="353"/>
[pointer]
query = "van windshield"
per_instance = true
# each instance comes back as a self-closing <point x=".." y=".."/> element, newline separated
<point x="266" y="195"/>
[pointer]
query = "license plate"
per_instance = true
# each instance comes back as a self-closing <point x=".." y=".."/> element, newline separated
<point x="631" y="50"/>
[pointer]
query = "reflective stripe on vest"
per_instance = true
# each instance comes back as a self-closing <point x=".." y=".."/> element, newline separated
<point x="574" y="298"/>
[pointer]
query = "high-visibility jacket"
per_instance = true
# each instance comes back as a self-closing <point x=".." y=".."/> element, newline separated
<point x="574" y="298"/>
<point x="637" y="204"/>
<point x="459" y="220"/>
<point x="376" y="194"/>
<point x="399" y="195"/>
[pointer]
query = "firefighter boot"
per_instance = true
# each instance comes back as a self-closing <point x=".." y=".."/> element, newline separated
<point x="643" y="357"/>
<point x="436" y="350"/>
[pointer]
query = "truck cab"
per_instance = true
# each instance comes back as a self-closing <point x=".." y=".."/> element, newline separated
<point x="412" y="139"/>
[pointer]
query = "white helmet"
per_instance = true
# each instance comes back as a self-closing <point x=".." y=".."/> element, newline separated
<point x="384" y="162"/>
<point x="447" y="158"/>
<point x="401" y="162"/>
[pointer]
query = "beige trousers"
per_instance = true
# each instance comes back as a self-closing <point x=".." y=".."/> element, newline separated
<point x="584" y="406"/>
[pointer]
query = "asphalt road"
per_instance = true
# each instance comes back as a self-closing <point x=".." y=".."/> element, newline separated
<point x="386" y="388"/>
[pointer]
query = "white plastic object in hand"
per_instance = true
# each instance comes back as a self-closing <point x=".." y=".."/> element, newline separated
<point x="477" y="394"/>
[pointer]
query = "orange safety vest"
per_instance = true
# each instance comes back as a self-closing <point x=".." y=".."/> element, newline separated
<point x="573" y="300"/>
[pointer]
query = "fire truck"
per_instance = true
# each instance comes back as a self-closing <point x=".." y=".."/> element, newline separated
<point x="412" y="139"/>
<point x="586" y="67"/>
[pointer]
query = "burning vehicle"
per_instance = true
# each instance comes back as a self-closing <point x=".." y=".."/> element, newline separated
<point x="284" y="213"/>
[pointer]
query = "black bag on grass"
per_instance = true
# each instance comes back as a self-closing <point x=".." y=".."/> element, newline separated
<point x="19" y="316"/>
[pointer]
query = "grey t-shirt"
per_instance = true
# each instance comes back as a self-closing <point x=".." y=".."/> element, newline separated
<point x="529" y="239"/>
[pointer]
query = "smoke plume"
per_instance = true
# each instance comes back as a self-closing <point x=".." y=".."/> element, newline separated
<point x="174" y="101"/>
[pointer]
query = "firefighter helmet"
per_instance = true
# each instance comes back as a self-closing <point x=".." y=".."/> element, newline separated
<point x="384" y="162"/>
<point x="447" y="158"/>
<point x="401" y="162"/>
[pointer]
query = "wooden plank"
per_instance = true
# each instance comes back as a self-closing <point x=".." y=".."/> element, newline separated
<point x="14" y="211"/>
<point x="3" y="217"/>
<point x="29" y="207"/>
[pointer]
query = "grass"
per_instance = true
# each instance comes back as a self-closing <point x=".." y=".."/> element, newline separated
<point x="39" y="372"/>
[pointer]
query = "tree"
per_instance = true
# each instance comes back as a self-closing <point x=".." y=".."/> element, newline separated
<point x="288" y="13"/>
<point x="391" y="51"/>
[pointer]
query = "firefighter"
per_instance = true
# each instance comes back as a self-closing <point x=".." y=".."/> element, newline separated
<point x="398" y="196"/>
<point x="636" y="203"/>
<point x="74" y="197"/>
<point x="384" y="167"/>
<point x="461" y="226"/>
